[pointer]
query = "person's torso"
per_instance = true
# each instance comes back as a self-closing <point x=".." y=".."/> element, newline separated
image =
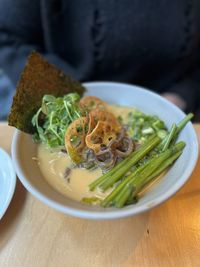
<point x="152" y="43"/>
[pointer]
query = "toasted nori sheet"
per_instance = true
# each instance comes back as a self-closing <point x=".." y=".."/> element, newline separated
<point x="38" y="78"/>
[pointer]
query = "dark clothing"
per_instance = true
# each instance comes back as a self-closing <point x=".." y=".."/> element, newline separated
<point x="152" y="43"/>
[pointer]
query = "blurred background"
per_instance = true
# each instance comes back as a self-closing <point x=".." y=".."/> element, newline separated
<point x="155" y="44"/>
<point x="7" y="90"/>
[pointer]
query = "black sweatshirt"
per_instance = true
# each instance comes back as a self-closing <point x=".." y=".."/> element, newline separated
<point x="153" y="43"/>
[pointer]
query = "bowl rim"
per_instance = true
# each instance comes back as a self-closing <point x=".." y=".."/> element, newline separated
<point x="10" y="173"/>
<point x="118" y="213"/>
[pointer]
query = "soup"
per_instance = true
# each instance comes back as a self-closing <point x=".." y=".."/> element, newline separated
<point x="54" y="165"/>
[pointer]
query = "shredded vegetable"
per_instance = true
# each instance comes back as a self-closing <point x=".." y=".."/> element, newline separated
<point x="53" y="118"/>
<point x="141" y="126"/>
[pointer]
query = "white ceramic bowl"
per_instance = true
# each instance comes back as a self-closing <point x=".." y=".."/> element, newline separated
<point x="7" y="181"/>
<point x="23" y="149"/>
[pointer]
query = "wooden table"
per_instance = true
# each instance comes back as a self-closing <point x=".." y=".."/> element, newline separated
<point x="32" y="234"/>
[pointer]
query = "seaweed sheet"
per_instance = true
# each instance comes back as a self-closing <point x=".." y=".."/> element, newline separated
<point x="38" y="78"/>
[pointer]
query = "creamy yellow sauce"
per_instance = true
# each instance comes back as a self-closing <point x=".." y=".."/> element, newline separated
<point x="53" y="164"/>
<point x="120" y="111"/>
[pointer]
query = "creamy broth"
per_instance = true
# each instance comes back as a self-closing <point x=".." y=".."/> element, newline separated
<point x="53" y="164"/>
<point x="120" y="111"/>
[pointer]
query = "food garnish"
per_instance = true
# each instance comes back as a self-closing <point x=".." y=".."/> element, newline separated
<point x="92" y="102"/>
<point x="53" y="118"/>
<point x="146" y="168"/>
<point x="75" y="139"/>
<point x="38" y="78"/>
<point x="102" y="135"/>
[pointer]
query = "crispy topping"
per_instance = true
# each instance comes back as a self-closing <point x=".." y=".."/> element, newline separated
<point x="92" y="102"/>
<point x="97" y="115"/>
<point x="102" y="135"/>
<point x="75" y="139"/>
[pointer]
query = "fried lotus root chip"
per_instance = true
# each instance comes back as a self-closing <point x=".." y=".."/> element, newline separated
<point x="97" y="115"/>
<point x="75" y="139"/>
<point x="102" y="135"/>
<point x="92" y="102"/>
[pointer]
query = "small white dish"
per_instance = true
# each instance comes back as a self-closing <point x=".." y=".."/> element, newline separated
<point x="7" y="181"/>
<point x="23" y="150"/>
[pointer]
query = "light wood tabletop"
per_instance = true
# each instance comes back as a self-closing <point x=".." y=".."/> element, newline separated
<point x="32" y="234"/>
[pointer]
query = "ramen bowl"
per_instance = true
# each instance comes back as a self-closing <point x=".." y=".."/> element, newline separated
<point x="24" y="150"/>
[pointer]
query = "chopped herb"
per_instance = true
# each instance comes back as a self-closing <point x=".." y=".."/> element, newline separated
<point x="53" y="118"/>
<point x="140" y="126"/>
<point x="91" y="200"/>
